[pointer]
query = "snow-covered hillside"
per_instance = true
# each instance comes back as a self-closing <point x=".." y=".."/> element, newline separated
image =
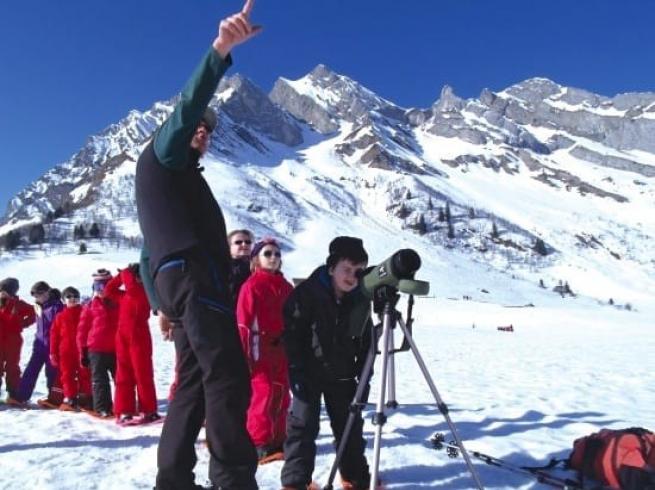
<point x="537" y="182"/>
<point x="568" y="369"/>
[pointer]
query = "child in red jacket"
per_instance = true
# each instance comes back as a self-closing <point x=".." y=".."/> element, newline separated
<point x="134" y="369"/>
<point x="15" y="315"/>
<point x="259" y="315"/>
<point x="64" y="354"/>
<point x="96" y="341"/>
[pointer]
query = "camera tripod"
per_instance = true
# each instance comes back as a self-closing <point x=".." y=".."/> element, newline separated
<point x="385" y="300"/>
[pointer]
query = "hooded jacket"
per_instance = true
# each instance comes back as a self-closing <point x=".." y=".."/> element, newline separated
<point x="318" y="330"/>
<point x="98" y="324"/>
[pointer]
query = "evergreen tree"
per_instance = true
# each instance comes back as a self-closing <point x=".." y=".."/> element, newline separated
<point x="494" y="230"/>
<point x="421" y="226"/>
<point x="402" y="212"/>
<point x="59" y="212"/>
<point x="448" y="216"/>
<point x="94" y="231"/>
<point x="442" y="216"/>
<point x="82" y="249"/>
<point x="12" y="240"/>
<point x="36" y="234"/>
<point x="451" y="231"/>
<point x="471" y="213"/>
<point x="540" y="247"/>
<point x="430" y="205"/>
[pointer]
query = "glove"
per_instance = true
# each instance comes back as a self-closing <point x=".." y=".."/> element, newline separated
<point x="84" y="358"/>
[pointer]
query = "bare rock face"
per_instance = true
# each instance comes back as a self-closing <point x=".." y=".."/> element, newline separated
<point x="323" y="98"/>
<point x="251" y="107"/>
<point x="303" y="107"/>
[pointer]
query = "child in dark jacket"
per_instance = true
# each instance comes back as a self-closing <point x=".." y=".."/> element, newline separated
<point x="96" y="341"/>
<point x="134" y="370"/>
<point x="259" y="316"/>
<point x="326" y="359"/>
<point x="64" y="354"/>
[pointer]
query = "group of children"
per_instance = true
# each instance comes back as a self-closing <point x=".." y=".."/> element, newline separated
<point x="82" y="346"/>
<point x="296" y="341"/>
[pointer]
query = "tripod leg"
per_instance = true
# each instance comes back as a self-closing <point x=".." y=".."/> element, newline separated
<point x="379" y="419"/>
<point x="391" y="381"/>
<point x="356" y="406"/>
<point x="440" y="403"/>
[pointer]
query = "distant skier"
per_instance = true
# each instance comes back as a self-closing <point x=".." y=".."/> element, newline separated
<point x="15" y="315"/>
<point x="134" y="370"/>
<point x="64" y="354"/>
<point x="96" y="341"/>
<point x="48" y="304"/>
<point x="259" y="316"/>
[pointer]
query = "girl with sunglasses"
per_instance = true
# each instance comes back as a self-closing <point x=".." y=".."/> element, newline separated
<point x="259" y="316"/>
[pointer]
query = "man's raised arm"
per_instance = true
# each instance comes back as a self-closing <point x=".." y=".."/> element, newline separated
<point x="172" y="140"/>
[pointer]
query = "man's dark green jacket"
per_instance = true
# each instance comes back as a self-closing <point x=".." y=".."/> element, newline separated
<point x="177" y="211"/>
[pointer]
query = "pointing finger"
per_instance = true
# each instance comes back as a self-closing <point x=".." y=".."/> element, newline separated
<point x="247" y="8"/>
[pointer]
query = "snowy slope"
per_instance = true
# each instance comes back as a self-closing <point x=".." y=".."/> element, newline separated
<point x="568" y="369"/>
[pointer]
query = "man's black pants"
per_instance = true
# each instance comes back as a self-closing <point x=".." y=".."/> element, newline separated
<point x="213" y="381"/>
<point x="102" y="365"/>
<point x="303" y="426"/>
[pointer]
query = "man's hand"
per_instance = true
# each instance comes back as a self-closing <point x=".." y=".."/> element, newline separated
<point x="235" y="29"/>
<point x="165" y="327"/>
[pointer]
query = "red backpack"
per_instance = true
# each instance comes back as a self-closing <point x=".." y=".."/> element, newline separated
<point x="623" y="459"/>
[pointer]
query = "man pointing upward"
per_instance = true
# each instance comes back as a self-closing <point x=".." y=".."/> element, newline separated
<point x="186" y="263"/>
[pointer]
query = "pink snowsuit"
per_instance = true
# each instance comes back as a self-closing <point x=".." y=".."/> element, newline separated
<point x="259" y="316"/>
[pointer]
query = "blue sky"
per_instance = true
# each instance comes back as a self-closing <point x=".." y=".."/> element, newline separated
<point x="68" y="69"/>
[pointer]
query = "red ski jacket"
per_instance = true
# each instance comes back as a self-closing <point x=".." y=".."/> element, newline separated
<point x="259" y="315"/>
<point x="98" y="324"/>
<point x="15" y="315"/>
<point x="134" y="306"/>
<point x="63" y="333"/>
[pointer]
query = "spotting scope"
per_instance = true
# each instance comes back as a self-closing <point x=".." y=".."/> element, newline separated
<point x="398" y="272"/>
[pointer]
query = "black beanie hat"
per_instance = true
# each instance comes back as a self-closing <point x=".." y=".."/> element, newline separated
<point x="70" y="291"/>
<point x="346" y="247"/>
<point x="9" y="286"/>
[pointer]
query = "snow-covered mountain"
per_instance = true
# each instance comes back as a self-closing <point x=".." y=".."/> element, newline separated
<point x="539" y="180"/>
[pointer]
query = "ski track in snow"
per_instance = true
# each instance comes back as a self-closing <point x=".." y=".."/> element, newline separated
<point x="570" y="367"/>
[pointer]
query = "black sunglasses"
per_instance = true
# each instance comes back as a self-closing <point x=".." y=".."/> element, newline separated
<point x="270" y="253"/>
<point x="239" y="242"/>
<point x="71" y="296"/>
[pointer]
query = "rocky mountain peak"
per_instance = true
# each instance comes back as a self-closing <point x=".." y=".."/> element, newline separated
<point x="448" y="101"/>
<point x="246" y="104"/>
